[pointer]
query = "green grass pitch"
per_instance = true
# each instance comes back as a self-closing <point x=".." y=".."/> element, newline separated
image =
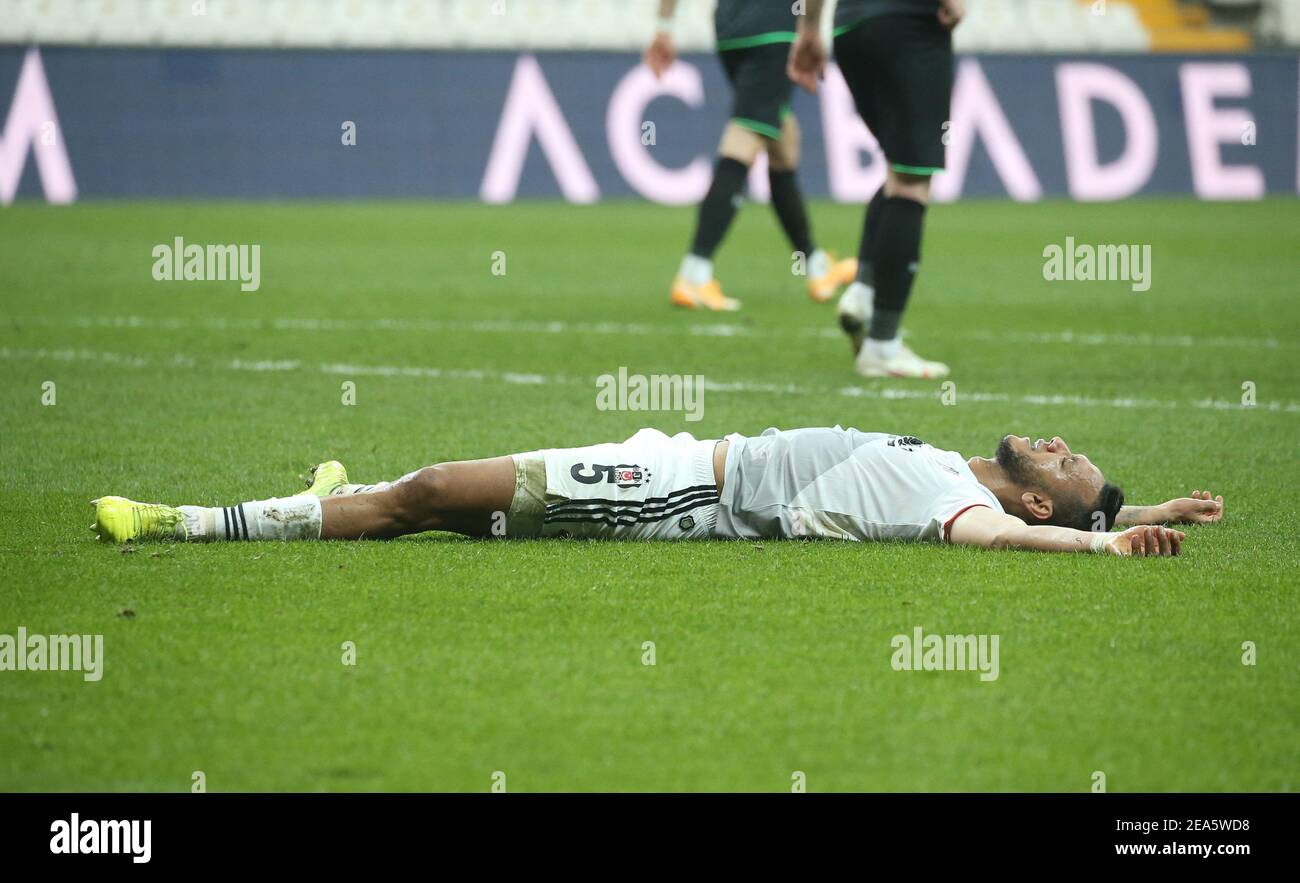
<point x="526" y="657"/>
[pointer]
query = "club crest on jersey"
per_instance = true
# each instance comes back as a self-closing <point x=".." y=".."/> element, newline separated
<point x="907" y="442"/>
<point x="623" y="475"/>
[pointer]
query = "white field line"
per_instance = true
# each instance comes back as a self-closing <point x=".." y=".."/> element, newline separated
<point x="415" y="371"/>
<point x="624" y="329"/>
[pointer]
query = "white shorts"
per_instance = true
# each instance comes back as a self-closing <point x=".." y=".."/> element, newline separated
<point x="651" y="486"/>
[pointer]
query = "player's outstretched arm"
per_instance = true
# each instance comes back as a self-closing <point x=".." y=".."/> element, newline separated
<point x="994" y="530"/>
<point x="1200" y="508"/>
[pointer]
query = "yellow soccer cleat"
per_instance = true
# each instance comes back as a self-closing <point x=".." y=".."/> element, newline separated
<point x="823" y="288"/>
<point x="327" y="478"/>
<point x="708" y="296"/>
<point x="120" y="520"/>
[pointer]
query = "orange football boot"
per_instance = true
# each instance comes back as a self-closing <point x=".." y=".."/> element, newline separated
<point x="823" y="288"/>
<point x="708" y="296"/>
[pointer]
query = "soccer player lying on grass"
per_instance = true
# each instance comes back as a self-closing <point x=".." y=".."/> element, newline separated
<point x="806" y="483"/>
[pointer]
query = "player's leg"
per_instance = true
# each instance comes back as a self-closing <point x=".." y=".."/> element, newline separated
<point x="737" y="150"/>
<point x="866" y="76"/>
<point x="467" y="497"/>
<point x="755" y="117"/>
<point x="695" y="285"/>
<point x="896" y="256"/>
<point x="825" y="274"/>
<point x="787" y="200"/>
<point x="900" y="72"/>
<point x="918" y="59"/>
<point x="856" y="304"/>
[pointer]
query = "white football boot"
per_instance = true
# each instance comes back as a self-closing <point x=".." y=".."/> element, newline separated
<point x="899" y="362"/>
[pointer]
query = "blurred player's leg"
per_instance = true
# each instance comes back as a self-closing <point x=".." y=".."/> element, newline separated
<point x="899" y="69"/>
<point x="695" y="285"/>
<point x="787" y="200"/>
<point x="857" y="302"/>
<point x="896" y="255"/>
<point x="756" y="70"/>
<point x="870" y="230"/>
<point x="825" y="275"/>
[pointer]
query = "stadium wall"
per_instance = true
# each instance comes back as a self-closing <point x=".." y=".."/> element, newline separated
<point x="94" y="123"/>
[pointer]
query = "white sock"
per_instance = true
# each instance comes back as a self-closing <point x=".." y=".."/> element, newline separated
<point x="882" y="349"/>
<point x="200" y="522"/>
<point x="347" y="490"/>
<point x="696" y="270"/>
<point x="819" y="264"/>
<point x="283" y="518"/>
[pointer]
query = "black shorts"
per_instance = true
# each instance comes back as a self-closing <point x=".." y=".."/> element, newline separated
<point x="899" y="69"/>
<point x="762" y="89"/>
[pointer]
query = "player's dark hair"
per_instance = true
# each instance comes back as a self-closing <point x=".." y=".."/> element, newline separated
<point x="1072" y="512"/>
<point x="1110" y="502"/>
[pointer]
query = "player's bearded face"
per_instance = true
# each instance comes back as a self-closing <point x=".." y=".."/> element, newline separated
<point x="1018" y="466"/>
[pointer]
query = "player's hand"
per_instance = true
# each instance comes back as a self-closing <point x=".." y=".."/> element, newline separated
<point x="807" y="59"/>
<point x="1199" y="508"/>
<point x="1147" y="540"/>
<point x="660" y="54"/>
<point x="951" y="12"/>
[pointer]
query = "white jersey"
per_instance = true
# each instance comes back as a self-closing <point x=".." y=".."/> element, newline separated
<point x="844" y="484"/>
